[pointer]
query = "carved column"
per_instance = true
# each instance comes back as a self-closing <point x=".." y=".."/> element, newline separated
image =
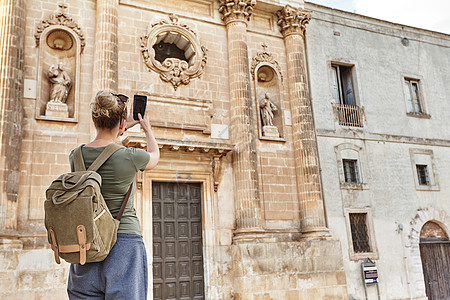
<point x="236" y="14"/>
<point x="292" y="24"/>
<point x="12" y="37"/>
<point x="106" y="53"/>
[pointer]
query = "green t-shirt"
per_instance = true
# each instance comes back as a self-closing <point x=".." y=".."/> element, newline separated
<point x="117" y="173"/>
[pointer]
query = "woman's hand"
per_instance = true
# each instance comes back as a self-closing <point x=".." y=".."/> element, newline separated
<point x="145" y="123"/>
<point x="130" y="121"/>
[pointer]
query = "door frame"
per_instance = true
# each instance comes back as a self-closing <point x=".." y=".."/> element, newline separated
<point x="414" y="260"/>
<point x="181" y="172"/>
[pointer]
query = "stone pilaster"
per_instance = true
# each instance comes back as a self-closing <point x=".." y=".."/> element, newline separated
<point x="292" y="24"/>
<point x="106" y="52"/>
<point x="235" y="14"/>
<point x="12" y="37"/>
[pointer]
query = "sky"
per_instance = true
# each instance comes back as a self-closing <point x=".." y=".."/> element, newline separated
<point x="430" y="14"/>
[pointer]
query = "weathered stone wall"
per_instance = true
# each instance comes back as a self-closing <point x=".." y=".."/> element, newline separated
<point x="389" y="191"/>
<point x="47" y="143"/>
<point x="27" y="269"/>
<point x="12" y="24"/>
<point x="31" y="274"/>
<point x="214" y="109"/>
<point x="289" y="270"/>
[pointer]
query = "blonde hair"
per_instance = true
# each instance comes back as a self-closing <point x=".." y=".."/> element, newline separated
<point x="107" y="110"/>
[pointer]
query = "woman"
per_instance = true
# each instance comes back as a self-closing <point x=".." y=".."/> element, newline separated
<point x="123" y="274"/>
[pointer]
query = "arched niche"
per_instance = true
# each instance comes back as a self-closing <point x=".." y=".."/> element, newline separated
<point x="60" y="43"/>
<point x="267" y="78"/>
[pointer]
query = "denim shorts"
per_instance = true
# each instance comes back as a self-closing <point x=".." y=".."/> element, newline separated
<point x="122" y="275"/>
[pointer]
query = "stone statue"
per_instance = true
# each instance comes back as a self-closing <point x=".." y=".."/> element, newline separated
<point x="61" y="83"/>
<point x="267" y="110"/>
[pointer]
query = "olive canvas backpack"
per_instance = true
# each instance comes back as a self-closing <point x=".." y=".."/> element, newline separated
<point x="80" y="227"/>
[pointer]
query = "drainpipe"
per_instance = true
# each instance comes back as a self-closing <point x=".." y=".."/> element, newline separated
<point x="405" y="259"/>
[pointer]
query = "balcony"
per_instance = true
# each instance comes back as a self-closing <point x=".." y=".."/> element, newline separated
<point x="348" y="115"/>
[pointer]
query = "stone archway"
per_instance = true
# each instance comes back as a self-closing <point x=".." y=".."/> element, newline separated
<point x="423" y="216"/>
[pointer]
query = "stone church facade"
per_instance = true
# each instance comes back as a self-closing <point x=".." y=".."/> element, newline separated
<point x="296" y="141"/>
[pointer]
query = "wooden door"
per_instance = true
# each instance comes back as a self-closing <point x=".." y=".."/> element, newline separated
<point x="177" y="241"/>
<point x="436" y="269"/>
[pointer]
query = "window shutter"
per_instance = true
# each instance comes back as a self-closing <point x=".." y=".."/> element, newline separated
<point x="408" y="96"/>
<point x="415" y="97"/>
<point x="335" y="85"/>
<point x="347" y="86"/>
<point x="427" y="176"/>
<point x="358" y="180"/>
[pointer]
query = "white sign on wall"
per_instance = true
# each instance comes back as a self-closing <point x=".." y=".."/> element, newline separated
<point x="220" y="131"/>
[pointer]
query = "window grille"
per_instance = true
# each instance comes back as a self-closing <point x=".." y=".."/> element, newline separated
<point x="413" y="96"/>
<point x="351" y="173"/>
<point x="360" y="234"/>
<point x="422" y="174"/>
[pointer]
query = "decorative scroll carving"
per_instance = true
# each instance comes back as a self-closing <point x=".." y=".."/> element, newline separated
<point x="236" y="10"/>
<point x="174" y="70"/>
<point x="293" y="20"/>
<point x="62" y="19"/>
<point x="214" y="151"/>
<point x="216" y="171"/>
<point x="139" y="180"/>
<point x="265" y="57"/>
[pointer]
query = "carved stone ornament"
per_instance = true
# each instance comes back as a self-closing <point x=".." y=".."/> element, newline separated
<point x="293" y="20"/>
<point x="264" y="58"/>
<point x="62" y="19"/>
<point x="236" y="10"/>
<point x="174" y="70"/>
<point x="214" y="151"/>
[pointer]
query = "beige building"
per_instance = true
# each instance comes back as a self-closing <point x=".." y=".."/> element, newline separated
<point x="296" y="141"/>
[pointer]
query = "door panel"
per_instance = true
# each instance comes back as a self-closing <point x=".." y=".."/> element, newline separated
<point x="436" y="269"/>
<point x="177" y="241"/>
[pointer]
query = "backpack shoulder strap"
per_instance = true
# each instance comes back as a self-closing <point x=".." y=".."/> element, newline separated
<point x="78" y="160"/>
<point x="109" y="150"/>
<point x="124" y="203"/>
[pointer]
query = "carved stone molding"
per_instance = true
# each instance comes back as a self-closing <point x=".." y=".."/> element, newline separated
<point x="293" y="20"/>
<point x="217" y="166"/>
<point x="214" y="151"/>
<point x="59" y="18"/>
<point x="174" y="70"/>
<point x="264" y="58"/>
<point x="236" y="10"/>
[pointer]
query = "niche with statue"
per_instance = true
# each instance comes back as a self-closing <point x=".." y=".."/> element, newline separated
<point x="268" y="80"/>
<point x="60" y="43"/>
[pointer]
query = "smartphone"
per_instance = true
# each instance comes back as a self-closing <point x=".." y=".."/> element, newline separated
<point x="139" y="104"/>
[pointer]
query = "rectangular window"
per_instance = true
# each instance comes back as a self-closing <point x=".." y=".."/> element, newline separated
<point x="422" y="174"/>
<point x="346" y="111"/>
<point x="343" y="91"/>
<point x="351" y="174"/>
<point x="413" y="100"/>
<point x="360" y="234"/>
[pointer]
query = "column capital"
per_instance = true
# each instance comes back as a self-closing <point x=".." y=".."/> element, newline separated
<point x="236" y="10"/>
<point x="293" y="20"/>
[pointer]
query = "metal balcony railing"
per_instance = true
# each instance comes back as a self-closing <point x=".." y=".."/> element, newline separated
<point x="348" y="115"/>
